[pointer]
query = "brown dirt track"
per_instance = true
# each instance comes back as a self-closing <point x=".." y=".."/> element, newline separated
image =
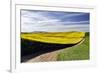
<point x="44" y="57"/>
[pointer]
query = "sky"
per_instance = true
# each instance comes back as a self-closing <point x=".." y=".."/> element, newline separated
<point x="54" y="21"/>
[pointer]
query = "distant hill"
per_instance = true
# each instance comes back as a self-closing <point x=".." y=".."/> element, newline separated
<point x="47" y="32"/>
<point x="35" y="32"/>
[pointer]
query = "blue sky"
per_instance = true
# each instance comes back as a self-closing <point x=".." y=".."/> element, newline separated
<point x="54" y="21"/>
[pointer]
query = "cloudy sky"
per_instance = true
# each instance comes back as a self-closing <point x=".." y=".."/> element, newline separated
<point x="53" y="21"/>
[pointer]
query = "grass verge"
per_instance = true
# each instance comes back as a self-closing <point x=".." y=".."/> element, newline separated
<point x="79" y="52"/>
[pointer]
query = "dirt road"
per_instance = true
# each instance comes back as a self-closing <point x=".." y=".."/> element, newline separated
<point x="50" y="56"/>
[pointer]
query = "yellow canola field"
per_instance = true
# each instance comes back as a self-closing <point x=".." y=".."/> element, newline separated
<point x="55" y="37"/>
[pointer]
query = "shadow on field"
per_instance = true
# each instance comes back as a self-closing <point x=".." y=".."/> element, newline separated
<point x="34" y="48"/>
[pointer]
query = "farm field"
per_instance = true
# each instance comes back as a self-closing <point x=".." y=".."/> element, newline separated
<point x="55" y="37"/>
<point x="74" y="45"/>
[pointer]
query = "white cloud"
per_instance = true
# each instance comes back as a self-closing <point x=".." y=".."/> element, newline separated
<point x="37" y="21"/>
<point x="73" y="15"/>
